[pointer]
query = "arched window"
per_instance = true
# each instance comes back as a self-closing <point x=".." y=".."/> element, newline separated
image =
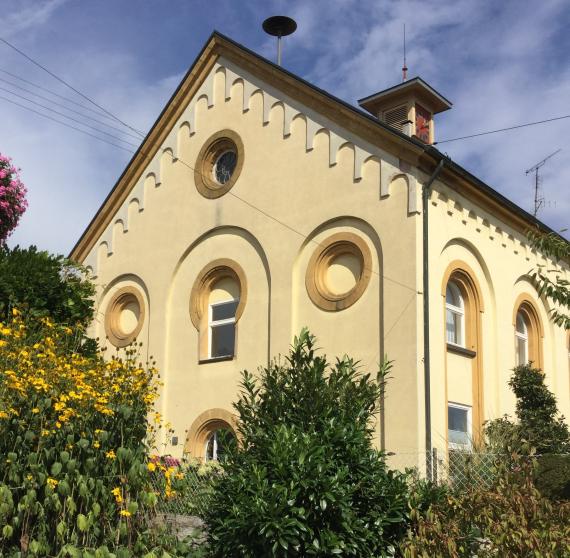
<point x="218" y="443"/>
<point x="217" y="302"/>
<point x="521" y="339"/>
<point x="455" y="315"/>
<point x="223" y="302"/>
<point x="212" y="434"/>
<point x="528" y="332"/>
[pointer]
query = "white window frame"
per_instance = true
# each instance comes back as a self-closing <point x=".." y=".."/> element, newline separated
<point x="457" y="311"/>
<point x="213" y="436"/>
<point x="523" y="336"/>
<point x="216" y="323"/>
<point x="469" y="409"/>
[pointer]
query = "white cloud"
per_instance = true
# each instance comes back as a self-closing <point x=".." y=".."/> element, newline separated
<point x="500" y="63"/>
<point x="30" y="13"/>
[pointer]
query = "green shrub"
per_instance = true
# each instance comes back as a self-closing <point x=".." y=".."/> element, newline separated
<point x="44" y="285"/>
<point x="552" y="476"/>
<point x="306" y="480"/>
<point x="510" y="518"/>
<point x="73" y="448"/>
<point x="538" y="425"/>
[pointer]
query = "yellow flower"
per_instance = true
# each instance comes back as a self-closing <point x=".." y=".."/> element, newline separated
<point x="117" y="493"/>
<point x="15" y="312"/>
<point x="125" y="513"/>
<point x="52" y="482"/>
<point x="3" y="343"/>
<point x="110" y="454"/>
<point x="151" y="466"/>
<point x="58" y="424"/>
<point x="96" y="445"/>
<point x="35" y="410"/>
<point x="3" y="414"/>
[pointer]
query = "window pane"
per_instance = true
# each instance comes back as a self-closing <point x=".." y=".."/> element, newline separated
<point x="453" y="327"/>
<point x="223" y="340"/>
<point x="521" y="324"/>
<point x="224" y="310"/>
<point x="458" y="428"/>
<point x="453" y="295"/>
<point x="521" y="351"/>
<point x="450" y="327"/>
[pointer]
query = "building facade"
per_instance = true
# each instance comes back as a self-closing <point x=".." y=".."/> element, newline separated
<point x="258" y="205"/>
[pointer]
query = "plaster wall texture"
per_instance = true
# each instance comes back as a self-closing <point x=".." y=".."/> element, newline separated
<point x="303" y="195"/>
<point x="304" y="179"/>
<point x="501" y="261"/>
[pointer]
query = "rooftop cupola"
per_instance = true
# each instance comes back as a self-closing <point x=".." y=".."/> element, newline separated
<point x="409" y="107"/>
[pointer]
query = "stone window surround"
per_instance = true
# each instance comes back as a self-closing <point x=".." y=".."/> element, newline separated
<point x="199" y="301"/>
<point x="213" y="147"/>
<point x="329" y="249"/>
<point x="119" y="300"/>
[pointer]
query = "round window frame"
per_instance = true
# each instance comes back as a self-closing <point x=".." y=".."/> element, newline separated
<point x="315" y="279"/>
<point x="120" y="299"/>
<point x="213" y="148"/>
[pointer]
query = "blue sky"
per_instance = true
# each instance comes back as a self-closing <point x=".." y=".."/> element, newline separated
<point x="500" y="63"/>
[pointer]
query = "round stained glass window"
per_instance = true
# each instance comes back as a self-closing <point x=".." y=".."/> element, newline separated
<point x="224" y="166"/>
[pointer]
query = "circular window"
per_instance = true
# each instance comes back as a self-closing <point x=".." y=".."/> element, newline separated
<point x="219" y="164"/>
<point x="224" y="166"/>
<point x="339" y="271"/>
<point x="124" y="317"/>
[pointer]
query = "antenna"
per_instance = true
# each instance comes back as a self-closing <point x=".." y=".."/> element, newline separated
<point x="404" y="67"/>
<point x="538" y="199"/>
<point x="279" y="26"/>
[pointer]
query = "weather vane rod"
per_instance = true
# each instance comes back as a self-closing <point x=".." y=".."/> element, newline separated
<point x="279" y="26"/>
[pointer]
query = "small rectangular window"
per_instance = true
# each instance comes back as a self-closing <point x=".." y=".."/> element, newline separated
<point x="223" y="328"/>
<point x="459" y="426"/>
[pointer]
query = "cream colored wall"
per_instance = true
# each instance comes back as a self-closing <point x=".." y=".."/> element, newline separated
<point x="312" y="183"/>
<point x="501" y="260"/>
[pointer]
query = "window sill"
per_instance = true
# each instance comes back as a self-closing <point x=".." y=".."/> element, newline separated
<point x="461" y="351"/>
<point x="216" y="359"/>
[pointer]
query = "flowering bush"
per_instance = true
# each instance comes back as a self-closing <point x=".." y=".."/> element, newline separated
<point x="12" y="197"/>
<point x="73" y="447"/>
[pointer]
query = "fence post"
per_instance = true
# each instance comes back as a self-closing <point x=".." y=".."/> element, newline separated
<point x="434" y="465"/>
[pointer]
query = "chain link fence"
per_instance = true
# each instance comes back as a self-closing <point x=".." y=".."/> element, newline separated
<point x="186" y="488"/>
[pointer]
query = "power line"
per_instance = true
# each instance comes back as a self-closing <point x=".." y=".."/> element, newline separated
<point x="68" y="117"/>
<point x="65" y="124"/>
<point x="148" y="157"/>
<point x="70" y="86"/>
<point x="65" y="107"/>
<point x="503" y="129"/>
<point x="268" y="215"/>
<point x="54" y="93"/>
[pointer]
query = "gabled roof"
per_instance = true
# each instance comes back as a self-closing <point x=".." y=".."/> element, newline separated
<point x="414" y="85"/>
<point x="346" y="115"/>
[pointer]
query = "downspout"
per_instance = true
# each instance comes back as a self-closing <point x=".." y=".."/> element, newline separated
<point x="425" y="241"/>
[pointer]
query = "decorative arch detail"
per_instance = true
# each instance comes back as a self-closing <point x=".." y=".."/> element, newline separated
<point x="465" y="279"/>
<point x="203" y="426"/>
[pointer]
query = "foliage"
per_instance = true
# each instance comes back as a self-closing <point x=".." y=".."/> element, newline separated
<point x="74" y="448"/>
<point x="551" y="283"/>
<point x="45" y="285"/>
<point x="12" y="198"/>
<point x="510" y="518"/>
<point x="552" y="476"/>
<point x="306" y="480"/>
<point x="539" y="425"/>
